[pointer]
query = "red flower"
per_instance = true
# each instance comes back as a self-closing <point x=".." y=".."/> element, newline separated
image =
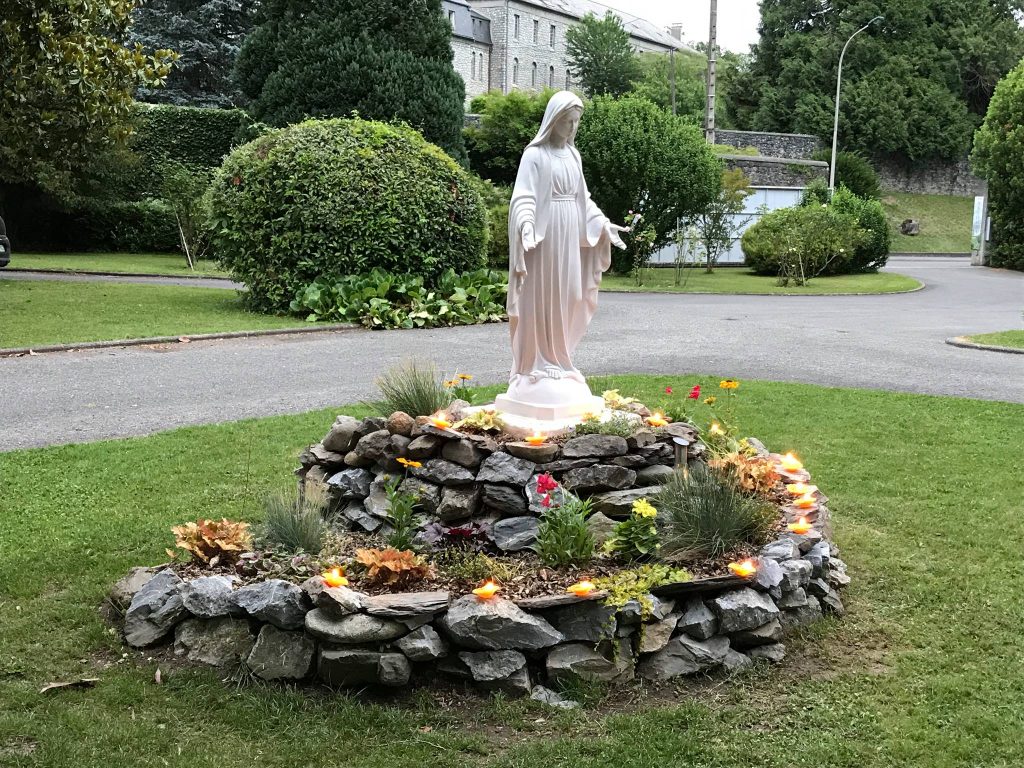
<point x="546" y="483"/>
<point x="546" y="501"/>
<point x="668" y="390"/>
<point x="694" y="393"/>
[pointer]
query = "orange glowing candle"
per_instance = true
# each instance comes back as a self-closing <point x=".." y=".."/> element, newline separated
<point x="581" y="589"/>
<point x="536" y="439"/>
<point x="800" y="489"/>
<point x="657" y="420"/>
<point x="800" y="527"/>
<point x="439" y="421"/>
<point x="807" y="501"/>
<point x="716" y="429"/>
<point x="335" y="578"/>
<point x="744" y="568"/>
<point x="487" y="591"/>
<point x="791" y="463"/>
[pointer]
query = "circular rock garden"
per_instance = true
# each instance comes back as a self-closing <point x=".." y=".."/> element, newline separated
<point x="451" y="548"/>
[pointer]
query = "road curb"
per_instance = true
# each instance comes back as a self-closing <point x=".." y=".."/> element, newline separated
<point x="966" y="343"/>
<point x="921" y="286"/>
<point x="55" y="271"/>
<point x="184" y="339"/>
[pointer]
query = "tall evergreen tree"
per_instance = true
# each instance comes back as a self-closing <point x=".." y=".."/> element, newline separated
<point x="207" y="35"/>
<point x="385" y="59"/>
<point x="600" y="55"/>
<point x="914" y="86"/>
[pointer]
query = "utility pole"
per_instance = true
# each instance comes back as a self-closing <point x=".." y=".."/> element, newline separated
<point x="672" y="77"/>
<point x="709" y="112"/>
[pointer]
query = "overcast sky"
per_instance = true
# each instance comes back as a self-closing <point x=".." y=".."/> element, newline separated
<point x="737" y="19"/>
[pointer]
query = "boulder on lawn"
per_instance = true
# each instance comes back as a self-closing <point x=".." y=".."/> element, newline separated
<point x="154" y="610"/>
<point x="281" y="655"/>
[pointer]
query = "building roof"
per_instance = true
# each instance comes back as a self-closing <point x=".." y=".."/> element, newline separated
<point x="636" y="26"/>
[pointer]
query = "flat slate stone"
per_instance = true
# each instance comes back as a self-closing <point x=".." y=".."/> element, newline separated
<point x="580" y="660"/>
<point x="556" y="601"/>
<point x="281" y="655"/>
<point x="497" y="624"/>
<point x="742" y="609"/>
<point x="504" y="499"/>
<point x="406" y="605"/>
<point x="352" y="629"/>
<point x="538" y="454"/>
<point x="217" y="642"/>
<point x="505" y="468"/>
<point x="700" y="586"/>
<point x="444" y="472"/>
<point x="275" y="601"/>
<point x="597" y="446"/>
<point x="423" y="644"/>
<point x="600" y="477"/>
<point x="514" y="534"/>
<point x="154" y="610"/>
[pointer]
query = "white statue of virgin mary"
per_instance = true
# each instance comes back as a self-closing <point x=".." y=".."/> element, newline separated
<point x="559" y="245"/>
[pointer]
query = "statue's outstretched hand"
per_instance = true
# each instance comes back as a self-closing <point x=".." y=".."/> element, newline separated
<point x="529" y="238"/>
<point x="613" y="231"/>
<point x="517" y="280"/>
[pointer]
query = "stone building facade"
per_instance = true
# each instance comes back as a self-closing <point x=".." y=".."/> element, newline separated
<point x="507" y="45"/>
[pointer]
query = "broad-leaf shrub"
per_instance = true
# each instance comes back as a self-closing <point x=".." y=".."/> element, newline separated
<point x="853" y="172"/>
<point x="380" y="300"/>
<point x="821" y="237"/>
<point x="872" y="250"/>
<point x="342" y="197"/>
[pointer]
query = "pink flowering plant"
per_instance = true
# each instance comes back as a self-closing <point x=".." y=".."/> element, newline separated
<point x="563" y="538"/>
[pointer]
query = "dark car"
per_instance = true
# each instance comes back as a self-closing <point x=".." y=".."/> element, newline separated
<point x="5" y="246"/>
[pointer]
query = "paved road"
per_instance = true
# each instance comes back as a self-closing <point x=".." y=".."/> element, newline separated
<point x="887" y="342"/>
<point x="78" y="277"/>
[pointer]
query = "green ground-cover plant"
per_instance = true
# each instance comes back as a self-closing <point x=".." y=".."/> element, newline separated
<point x="380" y="300"/>
<point x="616" y="425"/>
<point x="413" y="387"/>
<point x="703" y="513"/>
<point x="563" y="537"/>
<point x="636" y="537"/>
<point x="401" y="515"/>
<point x="296" y="522"/>
<point x="637" y="583"/>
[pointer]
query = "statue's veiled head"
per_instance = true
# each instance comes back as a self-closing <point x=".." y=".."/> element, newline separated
<point x="561" y="120"/>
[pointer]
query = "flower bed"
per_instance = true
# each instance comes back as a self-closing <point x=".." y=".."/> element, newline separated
<point x="460" y="550"/>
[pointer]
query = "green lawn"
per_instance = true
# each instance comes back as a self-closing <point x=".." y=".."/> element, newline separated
<point x="1000" y="339"/>
<point x="923" y="672"/>
<point x="142" y="263"/>
<point x="738" y="280"/>
<point x="945" y="222"/>
<point x="38" y="312"/>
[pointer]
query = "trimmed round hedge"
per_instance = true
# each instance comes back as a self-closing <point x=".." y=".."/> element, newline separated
<point x="340" y="197"/>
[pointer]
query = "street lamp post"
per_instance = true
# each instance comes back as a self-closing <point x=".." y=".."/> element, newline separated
<point x="835" y="124"/>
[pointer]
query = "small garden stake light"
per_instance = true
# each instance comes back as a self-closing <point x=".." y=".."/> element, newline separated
<point x="682" y="449"/>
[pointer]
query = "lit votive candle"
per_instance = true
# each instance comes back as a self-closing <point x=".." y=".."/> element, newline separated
<point x="581" y="589"/>
<point x="807" y="501"/>
<point x="800" y="527"/>
<point x="439" y="421"/>
<point x="487" y="591"/>
<point x="791" y="463"/>
<point x="536" y="439"/>
<point x="744" y="568"/>
<point x="800" y="489"/>
<point x="335" y="578"/>
<point x="657" y="420"/>
<point x="716" y="429"/>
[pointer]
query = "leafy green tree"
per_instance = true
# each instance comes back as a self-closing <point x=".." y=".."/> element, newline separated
<point x="66" y="85"/>
<point x="914" y="86"/>
<point x="638" y="157"/>
<point x="600" y="56"/>
<point x="387" y="60"/>
<point x="654" y="83"/>
<point x="999" y="158"/>
<point x="508" y="122"/>
<point x="717" y="223"/>
<point x="207" y="35"/>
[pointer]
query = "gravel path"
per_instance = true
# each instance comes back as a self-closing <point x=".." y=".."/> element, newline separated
<point x="892" y="342"/>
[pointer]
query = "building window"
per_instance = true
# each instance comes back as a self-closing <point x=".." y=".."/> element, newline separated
<point x="451" y="18"/>
<point x="536" y="31"/>
<point x="568" y="79"/>
<point x="473" y="54"/>
<point x="552" y="35"/>
<point x="551" y="77"/>
<point x="533" y="77"/>
<point x="516" y="32"/>
<point x="515" y="71"/>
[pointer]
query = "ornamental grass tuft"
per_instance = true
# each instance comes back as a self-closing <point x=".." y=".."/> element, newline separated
<point x="296" y="523"/>
<point x="413" y="387"/>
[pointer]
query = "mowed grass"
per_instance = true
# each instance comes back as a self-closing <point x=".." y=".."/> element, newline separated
<point x="945" y="222"/>
<point x="923" y="671"/>
<point x="739" y="280"/>
<point x="1000" y="339"/>
<point x="38" y="312"/>
<point x="138" y="263"/>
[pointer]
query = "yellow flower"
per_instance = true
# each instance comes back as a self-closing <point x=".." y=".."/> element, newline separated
<point x="710" y="400"/>
<point x="465" y="377"/>
<point x="409" y="463"/>
<point x="451" y="383"/>
<point x="728" y="384"/>
<point x="643" y="508"/>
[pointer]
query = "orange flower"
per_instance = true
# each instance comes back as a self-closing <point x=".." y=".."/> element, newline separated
<point x="409" y="462"/>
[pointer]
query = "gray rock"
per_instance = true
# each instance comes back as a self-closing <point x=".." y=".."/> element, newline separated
<point x="487" y="666"/>
<point x="275" y="601"/>
<point x="808" y="613"/>
<point x="600" y="477"/>
<point x="654" y="637"/>
<point x="125" y="589"/>
<point x="589" y="621"/>
<point x="504" y="499"/>
<point x="497" y="624"/>
<point x="758" y="447"/>
<point x="602" y="527"/>
<point x="351" y="483"/>
<point x="804" y="541"/>
<point x="578" y="660"/>
<point x="428" y="495"/>
<point x="357" y="516"/>
<point x="618" y="503"/>
<point x="656" y="474"/>
<point x="735" y="661"/>
<point x="464" y="452"/>
<point x="444" y="472"/>
<point x="697" y="620"/>
<point x="400" y="423"/>
<point x="424" y="447"/>
<point x="393" y="670"/>
<point x="773" y="653"/>
<point x="564" y="465"/>
<point x="538" y="454"/>
<point x="370" y="424"/>
<point x="792" y="599"/>
<point x="218" y="642"/>
<point x="504" y="468"/>
<point x="313" y="587"/>
<point x="325" y="457"/>
<point x="154" y="610"/>
<point x="655" y="608"/>
<point x="374" y="445"/>
<point x="661" y="453"/>
<point x="743" y="608"/>
<point x="459" y="502"/>
<point x="780" y="549"/>
<point x="376" y="503"/>
<point x="769" y="574"/>
<point x="209" y="596"/>
<point x="342" y="437"/>
<point x="353" y="459"/>
<point x="355" y="667"/>
<point x="832" y="605"/>
<point x="423" y="644"/>
<point x="630" y="461"/>
<point x="352" y="629"/>
<point x="598" y="446"/>
<point x="640" y="439"/>
<point x="795" y="574"/>
<point x="551" y="698"/>
<point x="514" y="534"/>
<point x="406" y="605"/>
<point x="763" y="635"/>
<point x="684" y="656"/>
<point x="339" y="601"/>
<point x="281" y="655"/>
<point x="837" y="578"/>
<point x="819" y="557"/>
<point x="818" y="587"/>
